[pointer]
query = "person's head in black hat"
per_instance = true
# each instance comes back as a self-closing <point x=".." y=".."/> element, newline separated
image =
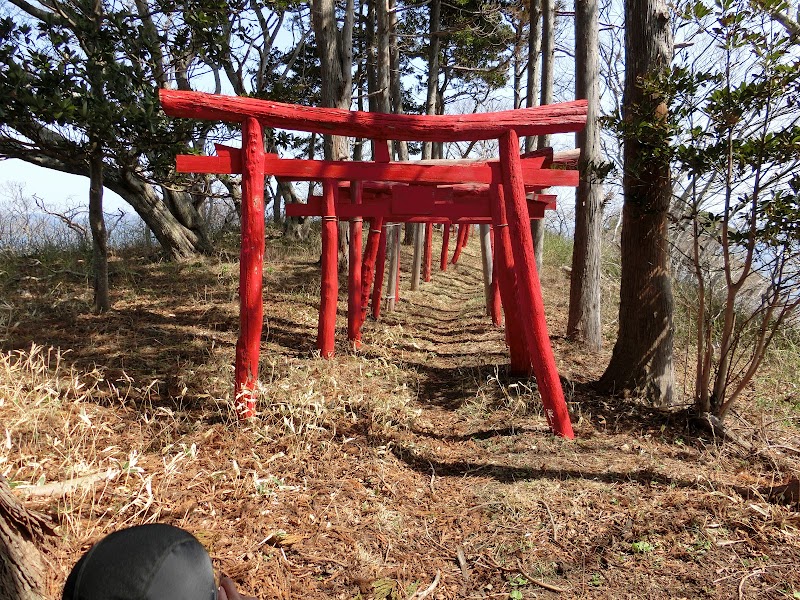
<point x="148" y="562"/>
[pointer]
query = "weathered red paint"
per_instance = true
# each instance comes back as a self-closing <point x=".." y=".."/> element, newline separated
<point x="354" y="273"/>
<point x="251" y="260"/>
<point x="445" y="248"/>
<point x="461" y="238"/>
<point x="381" y="149"/>
<point x="449" y="203"/>
<point x="370" y="258"/>
<point x="329" y="284"/>
<point x="415" y="172"/>
<point x="380" y="269"/>
<point x="445" y="212"/>
<point x="507" y="284"/>
<point x="554" y="118"/>
<point x="529" y="293"/>
<point x="426" y="257"/>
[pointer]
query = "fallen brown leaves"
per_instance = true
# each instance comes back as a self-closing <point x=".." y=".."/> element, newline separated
<point x="414" y="468"/>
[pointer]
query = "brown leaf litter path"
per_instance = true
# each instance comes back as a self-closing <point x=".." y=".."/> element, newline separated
<point x="377" y="474"/>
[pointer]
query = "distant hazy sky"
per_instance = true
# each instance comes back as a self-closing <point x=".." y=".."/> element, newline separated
<point x="56" y="189"/>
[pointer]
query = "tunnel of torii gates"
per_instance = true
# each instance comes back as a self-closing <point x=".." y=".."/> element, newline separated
<point x="503" y="193"/>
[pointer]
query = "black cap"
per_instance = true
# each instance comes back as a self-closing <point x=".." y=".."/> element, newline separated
<point x="148" y="562"/>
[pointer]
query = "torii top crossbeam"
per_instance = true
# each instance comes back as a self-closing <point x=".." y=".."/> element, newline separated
<point x="565" y="117"/>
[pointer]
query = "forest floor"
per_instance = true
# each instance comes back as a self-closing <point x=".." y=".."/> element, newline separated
<point x="415" y="461"/>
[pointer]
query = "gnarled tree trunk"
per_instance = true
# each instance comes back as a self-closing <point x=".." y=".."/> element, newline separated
<point x="22" y="569"/>
<point x="172" y="217"/>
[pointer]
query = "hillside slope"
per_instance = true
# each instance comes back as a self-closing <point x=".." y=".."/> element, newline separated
<point x="373" y="475"/>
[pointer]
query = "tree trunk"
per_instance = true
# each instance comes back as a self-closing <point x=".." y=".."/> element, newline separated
<point x="293" y="227"/>
<point x="584" y="292"/>
<point x="548" y="57"/>
<point x="534" y="49"/>
<point x="400" y="146"/>
<point x="486" y="261"/>
<point x="335" y="49"/>
<point x="435" y="9"/>
<point x="384" y="105"/>
<point x="175" y="223"/>
<point x="383" y="57"/>
<point x="277" y="206"/>
<point x="642" y="357"/>
<point x="393" y="250"/>
<point x="419" y="248"/>
<point x="97" y="224"/>
<point x="396" y="90"/>
<point x="518" y="65"/>
<point x="22" y="568"/>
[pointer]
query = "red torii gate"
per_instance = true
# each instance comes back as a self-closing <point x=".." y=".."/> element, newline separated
<point x="503" y="193"/>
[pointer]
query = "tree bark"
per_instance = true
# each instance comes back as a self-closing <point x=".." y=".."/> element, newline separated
<point x="393" y="250"/>
<point x="22" y="568"/>
<point x="293" y="227"/>
<point x="97" y="223"/>
<point x="519" y="64"/>
<point x="534" y="50"/>
<point x="486" y="262"/>
<point x="642" y="356"/>
<point x="384" y="105"/>
<point x="383" y="57"/>
<point x="419" y="248"/>
<point x="435" y="9"/>
<point x="335" y="49"/>
<point x="548" y="58"/>
<point x="176" y="224"/>
<point x="95" y="67"/>
<point x="584" y="293"/>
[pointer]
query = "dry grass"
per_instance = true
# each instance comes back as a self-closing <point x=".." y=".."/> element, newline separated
<point x="365" y="475"/>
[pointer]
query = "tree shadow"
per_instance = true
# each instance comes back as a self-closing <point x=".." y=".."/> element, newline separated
<point x="509" y="474"/>
<point x="627" y="415"/>
<point x="479" y="434"/>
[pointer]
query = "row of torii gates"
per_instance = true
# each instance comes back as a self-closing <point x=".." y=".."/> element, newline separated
<point x="503" y="193"/>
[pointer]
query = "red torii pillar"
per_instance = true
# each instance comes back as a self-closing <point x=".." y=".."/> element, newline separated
<point x="461" y="240"/>
<point x="329" y="281"/>
<point x="380" y="270"/>
<point x="445" y="246"/>
<point x="529" y="292"/>
<point x="371" y="255"/>
<point x="251" y="267"/>
<point x="354" y="281"/>
<point x="504" y="272"/>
